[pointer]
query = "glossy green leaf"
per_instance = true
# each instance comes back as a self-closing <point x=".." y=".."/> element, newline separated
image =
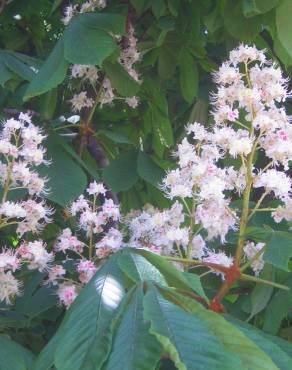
<point x="266" y="343"/>
<point x="120" y="79"/>
<point x="283" y="23"/>
<point x="241" y="28"/>
<point x="109" y="22"/>
<point x="262" y="293"/>
<point x="50" y="75"/>
<point x="173" y="277"/>
<point x="279" y="249"/>
<point x="148" y="170"/>
<point x="189" y="78"/>
<point x="137" y="268"/>
<point x="87" y="45"/>
<point x="67" y="179"/>
<point x="184" y="337"/>
<point x="86" y="335"/>
<point x="134" y="348"/>
<point x="249" y="353"/>
<point x="121" y="173"/>
<point x="278" y="309"/>
<point x="13" y="356"/>
<point x="255" y="7"/>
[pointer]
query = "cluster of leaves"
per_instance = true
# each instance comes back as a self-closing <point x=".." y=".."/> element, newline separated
<point x="121" y="310"/>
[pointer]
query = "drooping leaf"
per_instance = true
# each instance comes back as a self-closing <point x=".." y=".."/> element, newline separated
<point x="255" y="7"/>
<point x="185" y="338"/>
<point x="149" y="170"/>
<point x="120" y="79"/>
<point x="13" y="356"/>
<point x="279" y="308"/>
<point x="87" y="45"/>
<point x="283" y="19"/>
<point x="67" y="179"/>
<point x="121" y="173"/>
<point x="244" y="29"/>
<point x="262" y="293"/>
<point x="109" y="22"/>
<point x="50" y="75"/>
<point x="86" y="334"/>
<point x="189" y="78"/>
<point x="134" y="348"/>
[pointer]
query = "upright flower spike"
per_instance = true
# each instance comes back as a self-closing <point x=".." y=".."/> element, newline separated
<point x="248" y="119"/>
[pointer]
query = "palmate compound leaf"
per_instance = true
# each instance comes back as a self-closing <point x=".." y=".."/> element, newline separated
<point x="251" y="354"/>
<point x="13" y="356"/>
<point x="84" y="338"/>
<point x="134" y="348"/>
<point x="186" y="338"/>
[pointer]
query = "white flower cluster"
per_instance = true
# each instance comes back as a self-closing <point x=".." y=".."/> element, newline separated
<point x="94" y="221"/>
<point x="248" y="119"/>
<point x="20" y="154"/>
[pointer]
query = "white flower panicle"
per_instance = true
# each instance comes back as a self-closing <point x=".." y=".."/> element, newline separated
<point x="248" y="117"/>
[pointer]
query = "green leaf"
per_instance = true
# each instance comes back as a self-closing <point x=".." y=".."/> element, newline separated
<point x="279" y="249"/>
<point x="134" y="348"/>
<point x="262" y="293"/>
<point x="160" y="124"/>
<point x="148" y="170"/>
<point x="168" y="55"/>
<point x="278" y="309"/>
<point x="244" y="29"/>
<point x="87" y="45"/>
<point x="121" y="174"/>
<point x="114" y="136"/>
<point x="189" y="78"/>
<point x="36" y="298"/>
<point x="266" y="343"/>
<point x="158" y="8"/>
<point x="91" y="170"/>
<point x="141" y="5"/>
<point x="137" y="268"/>
<point x="14" y="356"/>
<point x="109" y="22"/>
<point x="173" y="277"/>
<point x="120" y="79"/>
<point x="67" y="179"/>
<point x="251" y="356"/>
<point x="85" y="338"/>
<point x="255" y="7"/>
<point x="283" y="23"/>
<point x="185" y="338"/>
<point x="50" y="75"/>
<point x="48" y="103"/>
<point x="5" y="74"/>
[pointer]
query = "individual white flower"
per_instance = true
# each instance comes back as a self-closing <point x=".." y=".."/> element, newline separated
<point x="9" y="287"/>
<point x="96" y="189"/>
<point x="80" y="101"/>
<point x="273" y="180"/>
<point x="198" y="247"/>
<point x="250" y="250"/>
